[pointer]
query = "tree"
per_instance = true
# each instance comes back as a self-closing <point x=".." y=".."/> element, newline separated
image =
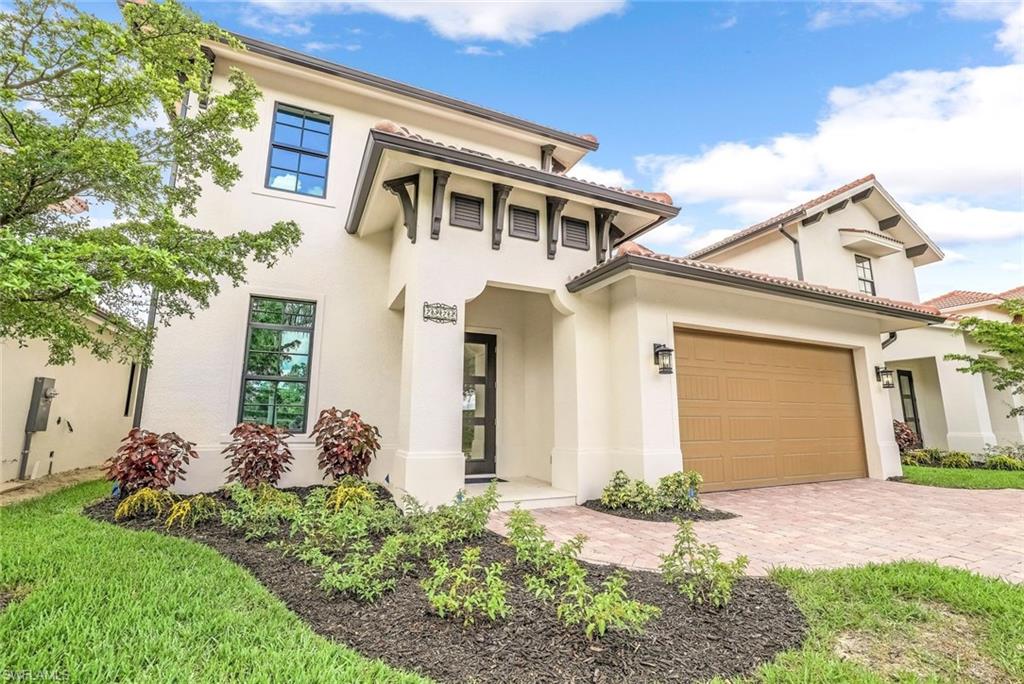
<point x="89" y="110"/>
<point x="1004" y="343"/>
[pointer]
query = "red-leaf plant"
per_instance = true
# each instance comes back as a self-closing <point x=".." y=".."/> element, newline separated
<point x="906" y="440"/>
<point x="259" y="454"/>
<point x="146" y="459"/>
<point x="346" y="443"/>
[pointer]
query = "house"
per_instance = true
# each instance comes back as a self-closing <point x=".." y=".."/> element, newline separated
<point x="945" y="408"/>
<point x="485" y="309"/>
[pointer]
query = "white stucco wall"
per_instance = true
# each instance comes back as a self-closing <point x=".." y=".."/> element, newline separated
<point x="929" y="400"/>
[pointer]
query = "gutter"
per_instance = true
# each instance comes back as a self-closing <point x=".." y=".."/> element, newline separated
<point x="796" y="252"/>
<point x="632" y="262"/>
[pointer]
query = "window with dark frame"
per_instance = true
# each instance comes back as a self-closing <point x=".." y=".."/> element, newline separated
<point x="300" y="144"/>
<point x="275" y="379"/>
<point x="575" y="233"/>
<point x="467" y="211"/>
<point x="524" y="223"/>
<point x="865" y="276"/>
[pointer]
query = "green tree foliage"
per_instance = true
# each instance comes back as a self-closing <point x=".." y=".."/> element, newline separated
<point x="1002" y="356"/>
<point x="90" y="109"/>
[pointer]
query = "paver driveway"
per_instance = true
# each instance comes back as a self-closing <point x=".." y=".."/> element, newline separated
<point x="823" y="525"/>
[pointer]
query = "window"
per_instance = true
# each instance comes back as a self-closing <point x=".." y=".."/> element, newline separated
<point x="865" y="278"/>
<point x="575" y="233"/>
<point x="275" y="382"/>
<point x="467" y="211"/>
<point x="908" y="398"/>
<point x="523" y="223"/>
<point x="299" y="146"/>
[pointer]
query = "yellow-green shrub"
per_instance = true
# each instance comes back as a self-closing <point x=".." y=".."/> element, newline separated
<point x="197" y="509"/>
<point x="145" y="500"/>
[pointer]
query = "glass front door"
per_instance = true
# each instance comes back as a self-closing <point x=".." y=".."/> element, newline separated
<point x="908" y="398"/>
<point x="478" y="403"/>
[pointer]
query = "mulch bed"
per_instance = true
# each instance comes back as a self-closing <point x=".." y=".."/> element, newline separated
<point x="686" y="643"/>
<point x="666" y="515"/>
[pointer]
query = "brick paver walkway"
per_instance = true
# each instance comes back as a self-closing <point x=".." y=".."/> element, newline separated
<point x="823" y="525"/>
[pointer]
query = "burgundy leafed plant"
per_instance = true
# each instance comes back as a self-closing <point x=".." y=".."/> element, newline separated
<point x="906" y="440"/>
<point x="346" y="442"/>
<point x="146" y="459"/>
<point x="259" y="454"/>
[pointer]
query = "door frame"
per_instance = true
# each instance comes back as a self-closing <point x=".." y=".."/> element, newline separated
<point x="909" y="375"/>
<point x="487" y="466"/>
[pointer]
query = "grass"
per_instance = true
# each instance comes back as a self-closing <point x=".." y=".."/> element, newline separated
<point x="96" y="603"/>
<point x="964" y="478"/>
<point x="884" y="602"/>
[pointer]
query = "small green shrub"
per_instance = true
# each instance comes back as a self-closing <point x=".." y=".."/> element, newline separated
<point x="192" y="511"/>
<point x="1015" y="451"/>
<point x="608" y="609"/>
<point x="681" y="490"/>
<point x="615" y="495"/>
<point x="917" y="457"/>
<point x="347" y="491"/>
<point x="696" y="569"/>
<point x="956" y="459"/>
<point x="1003" y="463"/>
<point x="367" y="576"/>
<point x="527" y="538"/>
<point x="145" y="500"/>
<point x="636" y="495"/>
<point x="260" y="512"/>
<point x="560" y="571"/>
<point x="467" y="591"/>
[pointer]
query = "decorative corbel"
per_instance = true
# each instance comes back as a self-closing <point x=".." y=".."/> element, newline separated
<point x="891" y="222"/>
<point x="603" y="221"/>
<point x="440" y="181"/>
<point x="861" y="196"/>
<point x="399" y="187"/>
<point x="555" y="206"/>
<point x="500" y="195"/>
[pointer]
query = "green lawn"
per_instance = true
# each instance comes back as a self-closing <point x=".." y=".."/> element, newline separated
<point x="964" y="478"/>
<point x="102" y="604"/>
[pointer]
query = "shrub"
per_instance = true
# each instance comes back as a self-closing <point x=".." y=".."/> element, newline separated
<point x="681" y="490"/>
<point x="192" y="511"/>
<point x="560" y="572"/>
<point x="368" y="576"/>
<point x="148" y="460"/>
<point x="1015" y="451"/>
<point x="467" y="591"/>
<point x="697" y="571"/>
<point x="259" y="454"/>
<point x="615" y="495"/>
<point x="527" y="538"/>
<point x="347" y="444"/>
<point x="259" y="512"/>
<point x="1003" y="463"/>
<point x="906" y="440"/>
<point x="956" y="459"/>
<point x="349" y="490"/>
<point x="145" y="500"/>
<point x="637" y="495"/>
<point x="608" y="609"/>
<point x="917" y="457"/>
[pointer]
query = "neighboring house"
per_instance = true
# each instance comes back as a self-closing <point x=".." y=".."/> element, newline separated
<point x="463" y="292"/>
<point x="946" y="408"/>
<point x="89" y="415"/>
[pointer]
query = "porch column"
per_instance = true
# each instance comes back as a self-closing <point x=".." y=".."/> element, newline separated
<point x="966" y="406"/>
<point x="429" y="463"/>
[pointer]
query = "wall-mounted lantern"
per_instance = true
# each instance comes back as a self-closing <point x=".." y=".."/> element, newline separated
<point x="663" y="358"/>
<point x="885" y="376"/>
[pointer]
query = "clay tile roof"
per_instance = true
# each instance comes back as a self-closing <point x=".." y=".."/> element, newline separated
<point x="779" y="218"/>
<point x="795" y="285"/>
<point x="72" y="205"/>
<point x="587" y="136"/>
<point x="1015" y="293"/>
<point x="396" y="129"/>
<point x="960" y="298"/>
<point x="630" y="247"/>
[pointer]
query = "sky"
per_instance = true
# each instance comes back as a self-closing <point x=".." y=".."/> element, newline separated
<point x="739" y="110"/>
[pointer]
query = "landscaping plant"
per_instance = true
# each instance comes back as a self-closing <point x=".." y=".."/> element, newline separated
<point x="466" y="591"/>
<point x="192" y="511"/>
<point x="146" y="459"/>
<point x="1004" y="463"/>
<point x="346" y="443"/>
<point x="609" y="608"/>
<point x="1002" y="355"/>
<point x="906" y="440"/>
<point x="259" y="512"/>
<point x="348" y="490"/>
<point x="259" y="454"/>
<point x="681" y="490"/>
<point x="144" y="501"/>
<point x="696" y="569"/>
<point x="956" y="459"/>
<point x="677" y="491"/>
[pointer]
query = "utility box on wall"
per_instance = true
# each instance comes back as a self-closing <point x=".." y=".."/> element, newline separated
<point x="43" y="394"/>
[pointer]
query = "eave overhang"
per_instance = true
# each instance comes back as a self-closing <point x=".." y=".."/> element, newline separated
<point x="621" y="265"/>
<point x="378" y="142"/>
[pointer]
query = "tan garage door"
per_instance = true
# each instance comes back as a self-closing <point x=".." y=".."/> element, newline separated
<point x="756" y="412"/>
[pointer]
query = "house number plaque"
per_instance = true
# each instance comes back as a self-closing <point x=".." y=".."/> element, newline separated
<point x="440" y="313"/>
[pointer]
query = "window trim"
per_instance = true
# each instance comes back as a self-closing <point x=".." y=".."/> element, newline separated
<point x="326" y="156"/>
<point x="535" y="236"/>
<point x="479" y="225"/>
<point x="308" y="381"/>
<point x="859" y="259"/>
<point x="570" y="243"/>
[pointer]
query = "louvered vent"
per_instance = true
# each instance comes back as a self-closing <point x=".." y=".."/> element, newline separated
<point x="575" y="233"/>
<point x="467" y="211"/>
<point x="524" y="223"/>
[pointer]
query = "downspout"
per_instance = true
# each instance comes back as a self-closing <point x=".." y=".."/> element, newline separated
<point x="890" y="338"/>
<point x="796" y="253"/>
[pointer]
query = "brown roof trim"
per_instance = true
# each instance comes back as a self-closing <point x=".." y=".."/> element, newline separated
<point x="719" y="275"/>
<point x="283" y="54"/>
<point x="380" y="140"/>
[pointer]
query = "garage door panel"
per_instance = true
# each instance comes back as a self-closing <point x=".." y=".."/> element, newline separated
<point x="756" y="413"/>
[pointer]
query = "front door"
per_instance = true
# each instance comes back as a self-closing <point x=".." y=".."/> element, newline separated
<point x="908" y="397"/>
<point x="479" y="401"/>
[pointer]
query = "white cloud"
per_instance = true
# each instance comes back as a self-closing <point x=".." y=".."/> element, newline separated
<point x="613" y="178"/>
<point x="497" y="20"/>
<point x="275" y="26"/>
<point x="833" y="14"/>
<point x="1010" y="266"/>
<point x="668" y="236"/>
<point x="955" y="221"/>
<point x="480" y="51"/>
<point x="1010" y="37"/>
<point x="318" y="46"/>
<point x="729" y="23"/>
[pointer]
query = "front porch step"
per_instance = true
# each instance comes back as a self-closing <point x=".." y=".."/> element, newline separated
<point x="527" y="494"/>
<point x="539" y="502"/>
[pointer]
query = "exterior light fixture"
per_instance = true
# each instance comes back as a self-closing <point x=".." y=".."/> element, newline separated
<point x="885" y="376"/>
<point x="663" y="358"/>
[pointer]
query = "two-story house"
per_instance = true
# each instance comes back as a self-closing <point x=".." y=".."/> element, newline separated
<point x="462" y="291"/>
<point x="858" y="238"/>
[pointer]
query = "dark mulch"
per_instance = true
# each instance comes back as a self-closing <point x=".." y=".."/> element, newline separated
<point x="667" y="515"/>
<point x="686" y="643"/>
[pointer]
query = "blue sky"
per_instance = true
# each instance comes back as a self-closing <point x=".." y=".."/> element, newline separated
<point x="738" y="110"/>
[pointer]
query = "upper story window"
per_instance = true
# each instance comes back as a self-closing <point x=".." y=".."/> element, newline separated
<point x="275" y="381"/>
<point x="865" y="276"/>
<point x="299" y="147"/>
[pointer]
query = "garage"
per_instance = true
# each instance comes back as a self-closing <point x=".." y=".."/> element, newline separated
<point x="757" y="413"/>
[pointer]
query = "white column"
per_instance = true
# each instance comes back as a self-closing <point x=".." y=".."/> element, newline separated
<point x="968" y="421"/>
<point x="880" y="448"/>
